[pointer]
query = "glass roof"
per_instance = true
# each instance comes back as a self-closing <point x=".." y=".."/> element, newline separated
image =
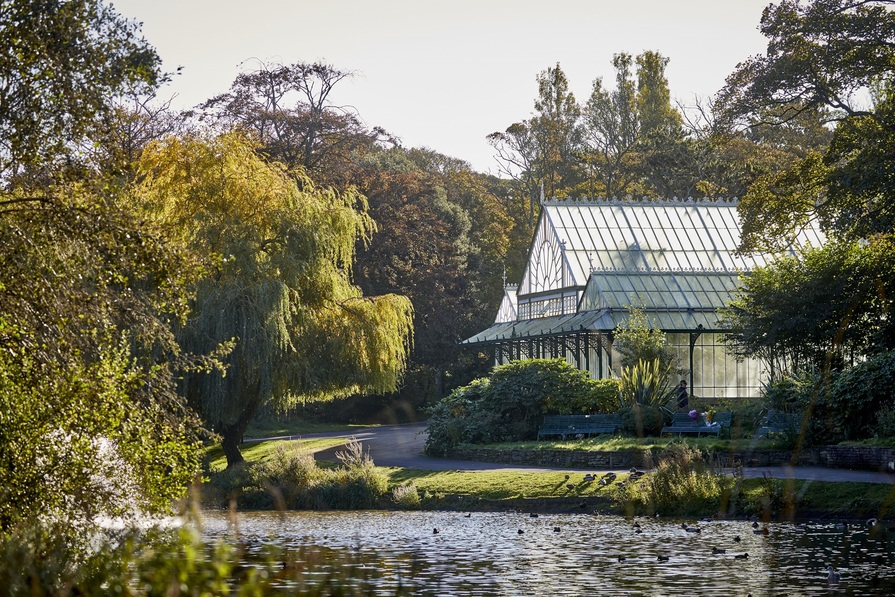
<point x="659" y="290"/>
<point x="659" y="235"/>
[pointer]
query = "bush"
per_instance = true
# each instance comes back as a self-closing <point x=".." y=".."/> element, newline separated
<point x="642" y="421"/>
<point x="747" y="414"/>
<point x="681" y="483"/>
<point x="857" y="396"/>
<point x="843" y="406"/>
<point x="290" y="479"/>
<point x="510" y="404"/>
<point x="406" y="497"/>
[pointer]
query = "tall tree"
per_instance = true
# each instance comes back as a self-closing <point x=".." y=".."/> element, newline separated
<point x="610" y="132"/>
<point x="92" y="421"/>
<point x="62" y="63"/>
<point x="829" y="56"/>
<point x="555" y="128"/>
<point x="291" y="110"/>
<point x="282" y="251"/>
<point x="517" y="154"/>
<point x="818" y="309"/>
<point x="669" y="156"/>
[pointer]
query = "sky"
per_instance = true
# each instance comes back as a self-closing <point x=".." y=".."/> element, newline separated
<point x="444" y="74"/>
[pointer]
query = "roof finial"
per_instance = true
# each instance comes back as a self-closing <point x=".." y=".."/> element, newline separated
<point x="504" y="275"/>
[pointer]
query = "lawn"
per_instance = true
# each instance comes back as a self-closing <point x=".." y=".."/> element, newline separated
<point x="258" y="451"/>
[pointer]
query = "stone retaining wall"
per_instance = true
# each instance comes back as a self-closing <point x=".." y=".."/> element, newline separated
<point x="845" y="457"/>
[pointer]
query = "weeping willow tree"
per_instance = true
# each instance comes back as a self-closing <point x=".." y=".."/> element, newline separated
<point x="279" y="295"/>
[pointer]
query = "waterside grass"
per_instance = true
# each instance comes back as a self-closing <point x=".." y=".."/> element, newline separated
<point x="567" y="491"/>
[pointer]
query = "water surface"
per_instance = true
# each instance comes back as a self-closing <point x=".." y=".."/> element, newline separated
<point x="577" y="554"/>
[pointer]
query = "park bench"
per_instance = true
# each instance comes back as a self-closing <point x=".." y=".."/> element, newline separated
<point x="681" y="424"/>
<point x="579" y="425"/>
<point x="777" y="423"/>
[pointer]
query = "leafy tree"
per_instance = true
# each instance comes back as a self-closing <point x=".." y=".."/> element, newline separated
<point x="281" y="287"/>
<point x="817" y="310"/>
<point x="638" y="341"/>
<point x="290" y="110"/>
<point x="822" y="56"/>
<point x="62" y="63"/>
<point x="422" y="252"/>
<point x="91" y="420"/>
<point x="610" y="131"/>
<point x="539" y="153"/>
<point x="555" y="128"/>
<point x="517" y="154"/>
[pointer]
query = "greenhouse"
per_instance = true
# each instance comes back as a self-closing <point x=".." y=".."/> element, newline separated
<point x="590" y="262"/>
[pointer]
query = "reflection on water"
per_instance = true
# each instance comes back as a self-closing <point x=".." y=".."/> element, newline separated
<point x="486" y="554"/>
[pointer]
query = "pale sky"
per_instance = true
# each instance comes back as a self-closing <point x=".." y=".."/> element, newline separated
<point x="444" y="74"/>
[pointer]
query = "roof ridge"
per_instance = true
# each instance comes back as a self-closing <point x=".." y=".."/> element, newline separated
<point x="585" y="202"/>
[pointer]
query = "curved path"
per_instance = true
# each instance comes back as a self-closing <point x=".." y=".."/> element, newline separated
<point x="402" y="446"/>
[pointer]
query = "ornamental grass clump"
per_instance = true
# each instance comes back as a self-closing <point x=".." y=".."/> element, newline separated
<point x="681" y="483"/>
<point x="406" y="497"/>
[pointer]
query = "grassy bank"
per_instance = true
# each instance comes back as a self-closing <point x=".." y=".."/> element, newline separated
<point x="693" y="488"/>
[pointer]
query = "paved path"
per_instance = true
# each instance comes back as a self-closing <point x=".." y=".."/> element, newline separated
<point x="402" y="446"/>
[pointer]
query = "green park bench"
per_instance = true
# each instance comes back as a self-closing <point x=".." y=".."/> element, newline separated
<point x="682" y="424"/>
<point x="776" y="423"/>
<point x="579" y="425"/>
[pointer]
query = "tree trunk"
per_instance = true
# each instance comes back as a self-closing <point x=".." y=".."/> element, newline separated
<point x="232" y="437"/>
<point x="232" y="434"/>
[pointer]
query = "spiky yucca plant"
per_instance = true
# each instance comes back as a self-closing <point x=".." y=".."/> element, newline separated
<point x="646" y="384"/>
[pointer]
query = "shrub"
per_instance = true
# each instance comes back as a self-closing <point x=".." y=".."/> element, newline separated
<point x="290" y="472"/>
<point x="511" y="403"/>
<point x="406" y="496"/>
<point x="856" y="397"/>
<point x="791" y="393"/>
<point x="681" y="483"/>
<point x="355" y="485"/>
<point x="642" y="421"/>
<point x="747" y="414"/>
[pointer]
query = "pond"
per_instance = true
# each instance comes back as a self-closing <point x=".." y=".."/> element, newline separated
<point x="515" y="553"/>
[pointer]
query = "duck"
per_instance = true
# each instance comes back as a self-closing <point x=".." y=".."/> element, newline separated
<point x="555" y="529"/>
<point x="435" y="531"/>
<point x="833" y="576"/>
<point x="588" y="478"/>
<point x="762" y="531"/>
<point x="662" y="559"/>
<point x="533" y="515"/>
<point x="520" y="532"/>
<point x="737" y="539"/>
<point x="717" y="551"/>
<point x="755" y="525"/>
<point x="621" y="558"/>
<point x="741" y="556"/>
<point x="570" y="486"/>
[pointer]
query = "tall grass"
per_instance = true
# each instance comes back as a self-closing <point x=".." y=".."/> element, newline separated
<point x="289" y="478"/>
<point x="681" y="483"/>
